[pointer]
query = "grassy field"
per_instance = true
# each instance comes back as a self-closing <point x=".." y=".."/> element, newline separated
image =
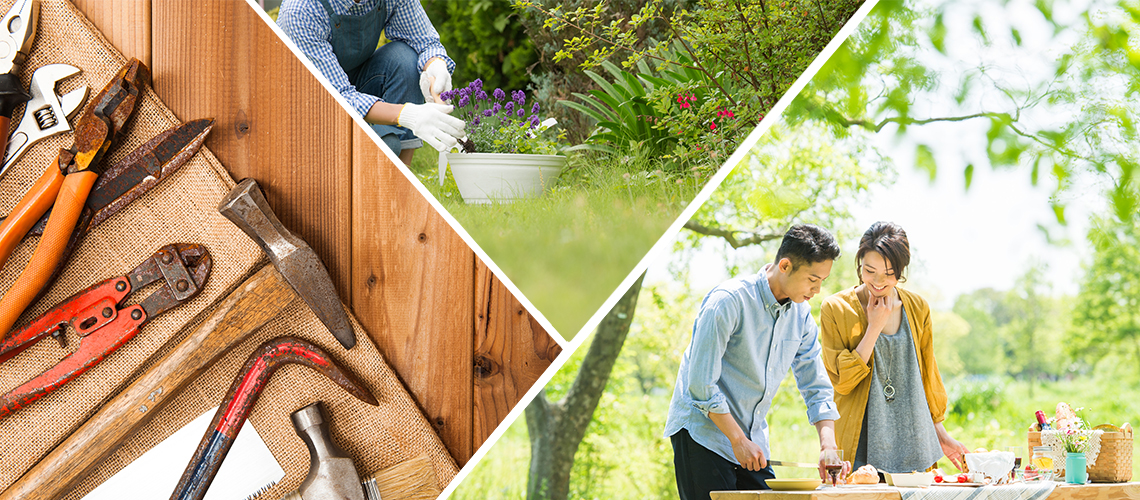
<point x="568" y="250"/>
<point x="625" y="457"/>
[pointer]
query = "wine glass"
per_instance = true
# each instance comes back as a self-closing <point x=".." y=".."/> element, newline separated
<point x="834" y="465"/>
<point x="1017" y="451"/>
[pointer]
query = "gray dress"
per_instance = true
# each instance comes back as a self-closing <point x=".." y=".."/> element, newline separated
<point x="898" y="435"/>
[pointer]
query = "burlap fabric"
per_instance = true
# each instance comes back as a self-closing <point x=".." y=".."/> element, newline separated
<point x="182" y="209"/>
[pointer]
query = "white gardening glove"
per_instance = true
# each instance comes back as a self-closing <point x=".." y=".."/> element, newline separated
<point x="435" y="80"/>
<point x="432" y="123"/>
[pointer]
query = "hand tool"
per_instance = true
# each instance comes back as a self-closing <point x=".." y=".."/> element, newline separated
<point x="135" y="174"/>
<point x="65" y="187"/>
<point x="243" y="395"/>
<point x="250" y="471"/>
<point x="252" y="304"/>
<point x="103" y="321"/>
<point x="246" y="207"/>
<point x="47" y="114"/>
<point x="332" y="476"/>
<point x="16" y="37"/>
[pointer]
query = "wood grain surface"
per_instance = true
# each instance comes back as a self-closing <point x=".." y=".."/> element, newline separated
<point x="1122" y="491"/>
<point x="463" y="346"/>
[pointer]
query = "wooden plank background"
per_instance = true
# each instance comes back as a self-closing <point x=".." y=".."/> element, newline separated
<point x="461" y="343"/>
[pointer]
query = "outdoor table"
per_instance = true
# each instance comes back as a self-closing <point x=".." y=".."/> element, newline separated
<point x="1099" y="491"/>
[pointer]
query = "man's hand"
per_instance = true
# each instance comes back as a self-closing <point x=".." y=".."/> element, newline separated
<point x="435" y="80"/>
<point x="749" y="454"/>
<point x="829" y="456"/>
<point x="432" y="123"/>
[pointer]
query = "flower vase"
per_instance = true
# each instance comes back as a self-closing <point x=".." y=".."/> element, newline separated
<point x="1076" y="471"/>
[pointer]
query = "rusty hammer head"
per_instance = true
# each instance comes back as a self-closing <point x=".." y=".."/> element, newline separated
<point x="332" y="476"/>
<point x="246" y="207"/>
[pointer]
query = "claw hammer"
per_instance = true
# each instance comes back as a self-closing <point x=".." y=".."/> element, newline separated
<point x="256" y="301"/>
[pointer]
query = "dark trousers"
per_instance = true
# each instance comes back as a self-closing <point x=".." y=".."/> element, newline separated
<point x="392" y="75"/>
<point x="700" y="470"/>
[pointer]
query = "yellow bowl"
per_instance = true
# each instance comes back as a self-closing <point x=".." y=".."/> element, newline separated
<point x="793" y="484"/>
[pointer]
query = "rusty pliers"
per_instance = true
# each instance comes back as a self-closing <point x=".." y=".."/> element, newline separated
<point x="64" y="188"/>
<point x="103" y="321"/>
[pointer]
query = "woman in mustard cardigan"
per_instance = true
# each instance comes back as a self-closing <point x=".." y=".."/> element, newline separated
<point x="879" y="353"/>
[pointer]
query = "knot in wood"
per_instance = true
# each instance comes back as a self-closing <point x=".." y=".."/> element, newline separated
<point x="485" y="367"/>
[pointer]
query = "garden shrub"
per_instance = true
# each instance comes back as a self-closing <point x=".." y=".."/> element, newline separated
<point x="978" y="394"/>
<point x="721" y="64"/>
<point x="486" y="39"/>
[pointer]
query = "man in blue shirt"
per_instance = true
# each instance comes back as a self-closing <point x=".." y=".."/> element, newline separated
<point x="390" y="85"/>
<point x="749" y="332"/>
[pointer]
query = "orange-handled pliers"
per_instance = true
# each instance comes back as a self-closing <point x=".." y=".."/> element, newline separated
<point x="64" y="188"/>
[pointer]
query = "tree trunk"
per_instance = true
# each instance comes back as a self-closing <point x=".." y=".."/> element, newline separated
<point x="557" y="428"/>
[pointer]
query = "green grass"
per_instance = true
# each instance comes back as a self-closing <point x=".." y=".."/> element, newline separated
<point x="569" y="249"/>
<point x="625" y="457"/>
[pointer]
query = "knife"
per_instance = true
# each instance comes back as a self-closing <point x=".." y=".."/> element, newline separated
<point x="780" y="463"/>
<point x="249" y="471"/>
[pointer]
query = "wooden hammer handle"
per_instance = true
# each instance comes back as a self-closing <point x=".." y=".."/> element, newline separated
<point x="255" y="302"/>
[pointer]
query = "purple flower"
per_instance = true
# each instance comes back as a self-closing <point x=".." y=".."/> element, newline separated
<point x="533" y="120"/>
<point x="522" y="123"/>
<point x="445" y="95"/>
<point x="488" y="113"/>
<point x="481" y="95"/>
<point x="519" y="97"/>
<point x="477" y="84"/>
<point x="496" y="108"/>
<point x="464" y="92"/>
<point x="475" y="122"/>
<point x="499" y="94"/>
<point x="534" y="109"/>
<point x="463" y="101"/>
<point x="509" y="108"/>
<point x="521" y="112"/>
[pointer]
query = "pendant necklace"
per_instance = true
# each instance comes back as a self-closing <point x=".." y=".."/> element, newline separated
<point x="888" y="388"/>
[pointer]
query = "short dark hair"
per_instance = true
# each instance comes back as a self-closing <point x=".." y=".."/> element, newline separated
<point x="807" y="244"/>
<point x="889" y="240"/>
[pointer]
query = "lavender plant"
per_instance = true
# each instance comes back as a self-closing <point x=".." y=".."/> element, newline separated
<point x="497" y="123"/>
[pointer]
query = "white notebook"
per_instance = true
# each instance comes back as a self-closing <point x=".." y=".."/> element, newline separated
<point x="248" y="470"/>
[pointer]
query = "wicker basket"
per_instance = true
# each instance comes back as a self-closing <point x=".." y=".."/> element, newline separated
<point x="1114" y="464"/>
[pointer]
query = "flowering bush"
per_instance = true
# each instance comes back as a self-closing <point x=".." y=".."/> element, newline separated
<point x="498" y="124"/>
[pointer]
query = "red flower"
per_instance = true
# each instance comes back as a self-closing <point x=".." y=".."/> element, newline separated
<point x="712" y="126"/>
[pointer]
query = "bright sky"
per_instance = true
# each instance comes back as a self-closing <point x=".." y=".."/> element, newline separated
<point x="965" y="240"/>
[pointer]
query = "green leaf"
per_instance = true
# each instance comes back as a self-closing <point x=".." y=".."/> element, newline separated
<point x="969" y="175"/>
<point x="924" y="159"/>
<point x="938" y="34"/>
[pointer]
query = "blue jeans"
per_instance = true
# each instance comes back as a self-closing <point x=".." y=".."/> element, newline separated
<point x="393" y="75"/>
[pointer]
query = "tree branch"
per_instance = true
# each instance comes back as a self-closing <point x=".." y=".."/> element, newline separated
<point x="730" y="235"/>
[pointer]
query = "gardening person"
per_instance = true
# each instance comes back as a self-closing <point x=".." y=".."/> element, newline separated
<point x="390" y="85"/>
<point x="749" y="332"/>
<point x="879" y="350"/>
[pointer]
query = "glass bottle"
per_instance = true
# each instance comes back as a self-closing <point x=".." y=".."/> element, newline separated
<point x="1040" y="467"/>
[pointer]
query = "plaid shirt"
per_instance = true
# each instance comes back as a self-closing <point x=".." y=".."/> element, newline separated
<point x="307" y="23"/>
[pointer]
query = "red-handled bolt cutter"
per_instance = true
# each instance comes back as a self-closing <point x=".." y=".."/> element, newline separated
<point x="103" y="321"/>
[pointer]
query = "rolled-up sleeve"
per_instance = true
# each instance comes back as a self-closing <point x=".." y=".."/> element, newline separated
<point x="716" y="322"/>
<point x="931" y="378"/>
<point x="844" y="366"/>
<point x="811" y="376"/>
<point x="309" y="28"/>
<point x="409" y="23"/>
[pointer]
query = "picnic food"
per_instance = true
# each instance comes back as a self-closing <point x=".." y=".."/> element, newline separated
<point x="866" y="474"/>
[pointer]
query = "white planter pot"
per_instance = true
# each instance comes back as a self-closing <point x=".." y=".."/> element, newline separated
<point x="487" y="177"/>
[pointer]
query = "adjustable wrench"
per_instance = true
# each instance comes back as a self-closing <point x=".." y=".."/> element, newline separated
<point x="47" y="113"/>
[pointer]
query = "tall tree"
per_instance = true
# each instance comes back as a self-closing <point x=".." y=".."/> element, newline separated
<point x="556" y="428"/>
<point x="1108" y="319"/>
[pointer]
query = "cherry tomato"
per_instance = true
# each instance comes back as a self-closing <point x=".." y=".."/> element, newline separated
<point x="938" y="479"/>
<point x="962" y="478"/>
